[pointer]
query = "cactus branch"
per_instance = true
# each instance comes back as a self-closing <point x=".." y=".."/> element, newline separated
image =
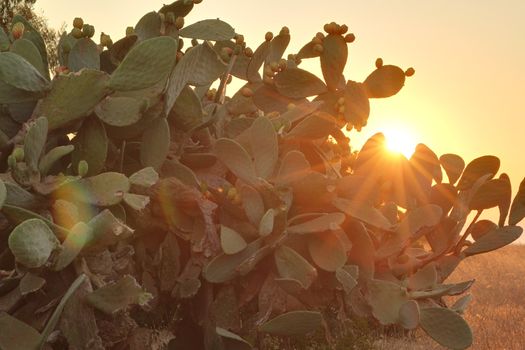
<point x="221" y="91"/>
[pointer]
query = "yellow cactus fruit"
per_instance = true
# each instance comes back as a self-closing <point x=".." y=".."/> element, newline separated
<point x="350" y="38"/>
<point x="78" y="23"/>
<point x="179" y="22"/>
<point x="410" y="72"/>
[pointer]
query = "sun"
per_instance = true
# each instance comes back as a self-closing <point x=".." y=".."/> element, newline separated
<point x="399" y="140"/>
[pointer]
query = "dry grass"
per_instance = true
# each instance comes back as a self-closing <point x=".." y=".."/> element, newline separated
<point x="497" y="310"/>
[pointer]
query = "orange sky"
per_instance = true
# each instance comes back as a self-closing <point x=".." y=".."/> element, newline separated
<point x="466" y="94"/>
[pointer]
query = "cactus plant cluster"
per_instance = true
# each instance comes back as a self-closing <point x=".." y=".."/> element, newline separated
<point x="141" y="203"/>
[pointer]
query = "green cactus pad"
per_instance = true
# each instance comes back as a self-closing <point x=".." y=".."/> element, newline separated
<point x="278" y="46"/>
<point x="65" y="44"/>
<point x="260" y="54"/>
<point x="492" y="193"/>
<point x="91" y="145"/>
<point x="155" y="144"/>
<point x="187" y="112"/>
<point x="35" y="142"/>
<point x="333" y="60"/>
<point x="323" y="222"/>
<point x="32" y="243"/>
<point x="52" y="157"/>
<point x="315" y="126"/>
<point x="120" y="111"/>
<point x="145" y="178"/>
<point x="446" y="327"/>
<point x="409" y="315"/>
<point x="346" y="279"/>
<point x="307" y="51"/>
<point x="476" y="169"/>
<point x="117" y="296"/>
<point x="79" y="235"/>
<point x="180" y="8"/>
<point x="26" y="49"/>
<point x="235" y="157"/>
<point x="327" y="251"/>
<point x="425" y="278"/>
<point x="199" y="66"/>
<point x="293" y="323"/>
<point x="517" y="210"/>
<point x="233" y="341"/>
<point x="298" y="83"/>
<point x="20" y="335"/>
<point x="4" y="41"/>
<point x="73" y="97"/>
<point x="384" y="82"/>
<point x="386" y="299"/>
<point x="84" y="54"/>
<point x="267" y="222"/>
<point x="34" y="36"/>
<point x="107" y="230"/>
<point x="362" y="252"/>
<point x="363" y="212"/>
<point x="453" y="166"/>
<point x="226" y="267"/>
<point x="3" y="193"/>
<point x="357" y="105"/>
<point x="208" y="29"/>
<point x="120" y="48"/>
<point x="136" y="202"/>
<point x="494" y="239"/>
<point x="148" y="26"/>
<point x="231" y="241"/>
<point x="104" y="190"/>
<point x="291" y="265"/>
<point x="147" y="63"/>
<point x="264" y="146"/>
<point x="253" y="204"/>
<point x="19" y="73"/>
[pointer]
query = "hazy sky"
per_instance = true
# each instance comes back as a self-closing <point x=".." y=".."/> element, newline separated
<point x="466" y="96"/>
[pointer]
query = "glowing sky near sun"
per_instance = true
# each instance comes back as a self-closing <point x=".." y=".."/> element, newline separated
<point x="466" y="96"/>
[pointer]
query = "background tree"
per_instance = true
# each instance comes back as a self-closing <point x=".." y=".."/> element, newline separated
<point x="8" y="8"/>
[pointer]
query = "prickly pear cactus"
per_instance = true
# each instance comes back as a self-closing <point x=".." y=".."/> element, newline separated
<point x="228" y="215"/>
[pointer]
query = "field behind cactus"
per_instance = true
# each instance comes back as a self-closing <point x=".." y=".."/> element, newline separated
<point x="497" y="310"/>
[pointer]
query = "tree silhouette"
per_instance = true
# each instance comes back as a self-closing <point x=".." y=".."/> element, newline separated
<point x="7" y="10"/>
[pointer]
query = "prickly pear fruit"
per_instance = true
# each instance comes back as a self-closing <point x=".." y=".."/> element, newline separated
<point x="78" y="23"/>
<point x="77" y="33"/>
<point x="83" y="168"/>
<point x="179" y="22"/>
<point x="350" y="38"/>
<point x="11" y="161"/>
<point x="18" y="153"/>
<point x="18" y="30"/>
<point x="88" y="30"/>
<point x="410" y="72"/>
<point x="105" y="40"/>
<point x="268" y="36"/>
<point x="130" y="31"/>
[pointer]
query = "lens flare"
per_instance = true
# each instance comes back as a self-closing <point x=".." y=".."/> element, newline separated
<point x="400" y="140"/>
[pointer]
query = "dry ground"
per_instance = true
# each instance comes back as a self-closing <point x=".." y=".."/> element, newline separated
<point x="497" y="311"/>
